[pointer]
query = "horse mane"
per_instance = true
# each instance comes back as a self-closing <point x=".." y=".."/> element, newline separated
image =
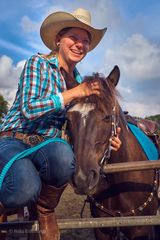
<point x="108" y="92"/>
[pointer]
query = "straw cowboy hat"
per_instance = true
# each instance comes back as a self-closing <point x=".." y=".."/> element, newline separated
<point x="57" y="21"/>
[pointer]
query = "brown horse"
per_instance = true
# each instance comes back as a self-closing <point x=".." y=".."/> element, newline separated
<point x="92" y="121"/>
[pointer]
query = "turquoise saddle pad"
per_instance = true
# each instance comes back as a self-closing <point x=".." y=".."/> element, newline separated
<point x="146" y="143"/>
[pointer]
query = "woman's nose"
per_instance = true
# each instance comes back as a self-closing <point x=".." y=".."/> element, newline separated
<point x="79" y="43"/>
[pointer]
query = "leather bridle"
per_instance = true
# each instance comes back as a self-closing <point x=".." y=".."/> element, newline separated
<point x="107" y="152"/>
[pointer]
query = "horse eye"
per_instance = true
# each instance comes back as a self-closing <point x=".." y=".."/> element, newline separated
<point x="99" y="142"/>
<point x="107" y="118"/>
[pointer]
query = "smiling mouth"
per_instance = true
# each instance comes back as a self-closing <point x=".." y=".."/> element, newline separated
<point x="76" y="52"/>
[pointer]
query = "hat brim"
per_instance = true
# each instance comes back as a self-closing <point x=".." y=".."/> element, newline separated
<point x="55" y="22"/>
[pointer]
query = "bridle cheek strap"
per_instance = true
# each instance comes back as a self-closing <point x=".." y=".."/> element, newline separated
<point x="107" y="153"/>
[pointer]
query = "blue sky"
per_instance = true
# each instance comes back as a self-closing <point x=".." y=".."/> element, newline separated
<point x="132" y="42"/>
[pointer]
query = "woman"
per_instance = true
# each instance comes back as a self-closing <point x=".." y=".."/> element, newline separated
<point x="35" y="118"/>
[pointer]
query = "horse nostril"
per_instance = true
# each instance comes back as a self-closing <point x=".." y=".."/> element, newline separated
<point x="85" y="183"/>
<point x="93" y="179"/>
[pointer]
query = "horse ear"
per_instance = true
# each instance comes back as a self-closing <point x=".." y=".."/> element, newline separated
<point x="114" y="76"/>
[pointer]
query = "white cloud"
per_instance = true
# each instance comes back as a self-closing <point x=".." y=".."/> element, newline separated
<point x="137" y="57"/>
<point x="141" y="109"/>
<point x="20" y="66"/>
<point x="28" y="25"/>
<point x="8" y="94"/>
<point x="125" y="89"/>
<point x="105" y="14"/>
<point x="31" y="28"/>
<point x="9" y="75"/>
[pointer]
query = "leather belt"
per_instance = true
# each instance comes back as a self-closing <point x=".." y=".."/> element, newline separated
<point x="30" y="139"/>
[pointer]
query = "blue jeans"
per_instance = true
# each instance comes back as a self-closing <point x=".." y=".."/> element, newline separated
<point x="53" y="164"/>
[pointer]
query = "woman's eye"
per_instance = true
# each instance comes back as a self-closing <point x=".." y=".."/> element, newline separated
<point x="86" y="41"/>
<point x="76" y="39"/>
<point x="73" y="38"/>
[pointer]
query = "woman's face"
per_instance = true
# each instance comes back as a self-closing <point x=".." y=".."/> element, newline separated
<point x="74" y="45"/>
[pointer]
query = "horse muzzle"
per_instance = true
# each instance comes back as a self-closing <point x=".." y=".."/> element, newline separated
<point x="85" y="183"/>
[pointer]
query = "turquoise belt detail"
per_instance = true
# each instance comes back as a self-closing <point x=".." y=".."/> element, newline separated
<point x="24" y="154"/>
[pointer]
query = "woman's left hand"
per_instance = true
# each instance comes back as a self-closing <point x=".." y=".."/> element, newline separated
<point x="115" y="141"/>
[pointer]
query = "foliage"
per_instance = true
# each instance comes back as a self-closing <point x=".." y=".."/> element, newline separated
<point x="155" y="118"/>
<point x="3" y="107"/>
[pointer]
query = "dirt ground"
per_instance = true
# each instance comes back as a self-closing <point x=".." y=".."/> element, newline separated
<point x="70" y="207"/>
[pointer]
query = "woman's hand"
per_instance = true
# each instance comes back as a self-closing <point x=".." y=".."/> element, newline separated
<point x="115" y="141"/>
<point x="84" y="89"/>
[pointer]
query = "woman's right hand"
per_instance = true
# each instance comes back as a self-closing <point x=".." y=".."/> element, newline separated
<point x="84" y="89"/>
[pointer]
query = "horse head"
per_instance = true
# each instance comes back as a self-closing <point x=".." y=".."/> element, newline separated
<point x="91" y="123"/>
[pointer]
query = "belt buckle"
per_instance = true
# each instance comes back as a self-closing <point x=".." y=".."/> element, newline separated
<point x="33" y="140"/>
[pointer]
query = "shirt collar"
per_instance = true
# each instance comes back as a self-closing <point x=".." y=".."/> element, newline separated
<point x="52" y="59"/>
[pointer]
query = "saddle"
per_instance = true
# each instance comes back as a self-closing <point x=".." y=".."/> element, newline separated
<point x="149" y="127"/>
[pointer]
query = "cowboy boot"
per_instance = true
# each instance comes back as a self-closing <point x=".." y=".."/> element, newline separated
<point x="46" y="204"/>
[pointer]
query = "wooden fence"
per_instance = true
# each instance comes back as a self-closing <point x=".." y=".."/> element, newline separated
<point x="85" y="223"/>
<point x="131" y="166"/>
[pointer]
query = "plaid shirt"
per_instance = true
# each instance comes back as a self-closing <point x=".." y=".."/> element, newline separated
<point x="38" y="105"/>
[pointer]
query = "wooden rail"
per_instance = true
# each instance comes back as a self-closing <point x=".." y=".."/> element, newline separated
<point x="109" y="222"/>
<point x="32" y="226"/>
<point x="131" y="166"/>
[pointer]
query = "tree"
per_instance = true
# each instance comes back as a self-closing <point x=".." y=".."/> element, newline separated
<point x="3" y="107"/>
<point x="155" y="118"/>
